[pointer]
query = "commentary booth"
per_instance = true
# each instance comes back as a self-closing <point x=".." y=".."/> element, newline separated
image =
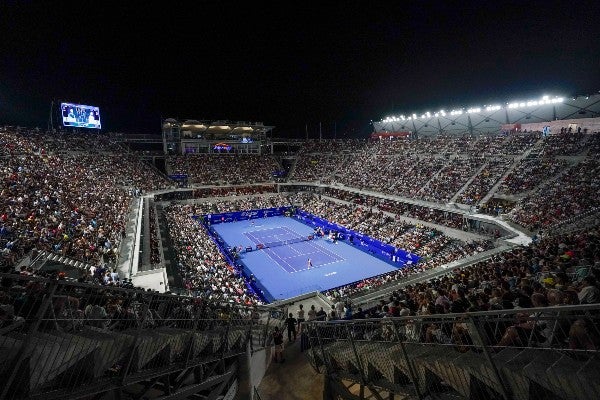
<point x="215" y="137"/>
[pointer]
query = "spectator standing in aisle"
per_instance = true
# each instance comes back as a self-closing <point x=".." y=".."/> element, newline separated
<point x="312" y="313"/>
<point x="278" y="342"/>
<point x="291" y="323"/>
<point x="301" y="318"/>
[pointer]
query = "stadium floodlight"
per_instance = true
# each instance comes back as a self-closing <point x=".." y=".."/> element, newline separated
<point x="493" y="108"/>
<point x="543" y="100"/>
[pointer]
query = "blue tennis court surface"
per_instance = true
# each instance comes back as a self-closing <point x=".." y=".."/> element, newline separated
<point x="296" y="256"/>
<point x="285" y="271"/>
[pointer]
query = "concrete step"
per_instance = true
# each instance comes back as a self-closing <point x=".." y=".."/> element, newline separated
<point x="9" y="347"/>
<point x="510" y="363"/>
<point x="378" y="355"/>
<point x="344" y="358"/>
<point x="112" y="347"/>
<point x="537" y="368"/>
<point x="425" y="377"/>
<point x="46" y="357"/>
<point x="583" y="384"/>
<point x="177" y="340"/>
<point x="202" y="342"/>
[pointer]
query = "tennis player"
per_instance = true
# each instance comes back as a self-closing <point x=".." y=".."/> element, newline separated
<point x="309" y="263"/>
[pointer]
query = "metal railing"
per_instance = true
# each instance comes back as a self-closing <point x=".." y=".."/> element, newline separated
<point x="60" y="337"/>
<point x="534" y="353"/>
<point x="256" y="394"/>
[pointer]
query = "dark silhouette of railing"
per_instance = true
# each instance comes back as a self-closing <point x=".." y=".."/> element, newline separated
<point x="68" y="339"/>
<point x="535" y="353"/>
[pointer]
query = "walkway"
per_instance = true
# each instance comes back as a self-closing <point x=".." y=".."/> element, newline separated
<point x="294" y="379"/>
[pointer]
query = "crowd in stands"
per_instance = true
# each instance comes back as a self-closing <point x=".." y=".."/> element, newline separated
<point x="430" y="168"/>
<point x="529" y="173"/>
<point x="402" y="175"/>
<point x="203" y="268"/>
<point x="211" y="169"/>
<point x="553" y="271"/>
<point x="484" y="181"/>
<point x="75" y="307"/>
<point x="450" y="179"/>
<point x="155" y="249"/>
<point x="571" y="194"/>
<point x="318" y="167"/>
<point x="426" y="214"/>
<point x="69" y="203"/>
<point x="224" y="191"/>
<point x="436" y="169"/>
<point x="566" y="144"/>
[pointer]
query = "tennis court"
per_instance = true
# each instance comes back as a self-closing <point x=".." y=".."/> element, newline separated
<point x="283" y="269"/>
<point x="291" y="250"/>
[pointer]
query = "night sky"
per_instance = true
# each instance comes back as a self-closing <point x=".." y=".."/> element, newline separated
<point x="289" y="64"/>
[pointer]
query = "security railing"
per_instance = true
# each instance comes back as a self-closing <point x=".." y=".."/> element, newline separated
<point x="534" y="353"/>
<point x="60" y="337"/>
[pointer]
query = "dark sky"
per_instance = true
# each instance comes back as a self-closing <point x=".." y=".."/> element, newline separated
<point x="289" y="63"/>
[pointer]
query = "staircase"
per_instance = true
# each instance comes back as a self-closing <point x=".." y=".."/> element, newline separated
<point x="468" y="183"/>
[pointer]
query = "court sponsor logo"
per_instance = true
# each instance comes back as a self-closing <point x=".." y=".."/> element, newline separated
<point x="249" y="214"/>
<point x="331" y="273"/>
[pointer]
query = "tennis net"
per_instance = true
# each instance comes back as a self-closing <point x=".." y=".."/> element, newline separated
<point x="285" y="242"/>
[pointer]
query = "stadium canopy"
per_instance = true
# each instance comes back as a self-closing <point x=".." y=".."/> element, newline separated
<point x="490" y="118"/>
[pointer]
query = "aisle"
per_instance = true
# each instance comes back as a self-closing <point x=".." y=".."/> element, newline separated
<point x="294" y="379"/>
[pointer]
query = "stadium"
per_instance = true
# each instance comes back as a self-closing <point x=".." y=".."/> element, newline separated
<point x="450" y="252"/>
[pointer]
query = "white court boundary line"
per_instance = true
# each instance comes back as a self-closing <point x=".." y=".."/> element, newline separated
<point x="317" y="249"/>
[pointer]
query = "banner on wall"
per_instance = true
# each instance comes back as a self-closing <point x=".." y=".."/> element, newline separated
<point x="244" y="215"/>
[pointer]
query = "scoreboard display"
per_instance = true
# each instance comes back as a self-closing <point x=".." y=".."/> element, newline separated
<point x="80" y="116"/>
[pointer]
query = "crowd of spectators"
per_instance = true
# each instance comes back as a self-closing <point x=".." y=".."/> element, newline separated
<point x="321" y="167"/>
<point x="69" y="203"/>
<point x="565" y="144"/>
<point x="569" y="195"/>
<point x="224" y="191"/>
<point x="404" y="167"/>
<point x="211" y="169"/>
<point x="553" y="271"/>
<point x="450" y="179"/>
<point x="426" y="214"/>
<point x="435" y="169"/>
<point x="484" y="181"/>
<point x="203" y="268"/>
<point x="74" y="307"/>
<point x="529" y="173"/>
<point x="155" y="249"/>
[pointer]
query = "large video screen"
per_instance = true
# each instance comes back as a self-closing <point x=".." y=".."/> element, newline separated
<point x="80" y="116"/>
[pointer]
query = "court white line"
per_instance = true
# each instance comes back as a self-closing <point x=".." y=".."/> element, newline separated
<point x="316" y="246"/>
<point x="302" y="254"/>
<point x="253" y="238"/>
<point x="269" y="251"/>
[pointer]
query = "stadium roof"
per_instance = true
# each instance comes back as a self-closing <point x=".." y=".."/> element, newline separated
<point x="489" y="118"/>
